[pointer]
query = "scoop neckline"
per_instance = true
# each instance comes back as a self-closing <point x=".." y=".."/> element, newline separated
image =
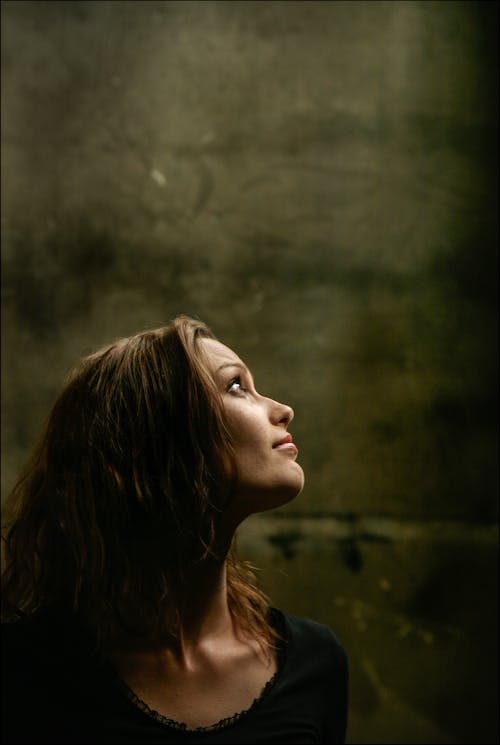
<point x="182" y="726"/>
<point x="225" y="722"/>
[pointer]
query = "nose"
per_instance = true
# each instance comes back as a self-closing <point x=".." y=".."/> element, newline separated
<point x="282" y="414"/>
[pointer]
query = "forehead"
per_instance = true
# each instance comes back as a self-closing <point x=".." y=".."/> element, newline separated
<point x="218" y="354"/>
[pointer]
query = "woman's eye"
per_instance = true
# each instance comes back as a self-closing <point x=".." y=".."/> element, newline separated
<point x="235" y="386"/>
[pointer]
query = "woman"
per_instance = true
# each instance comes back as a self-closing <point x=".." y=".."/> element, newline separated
<point x="134" y="619"/>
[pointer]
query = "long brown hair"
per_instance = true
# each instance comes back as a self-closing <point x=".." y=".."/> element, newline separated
<point x="122" y="493"/>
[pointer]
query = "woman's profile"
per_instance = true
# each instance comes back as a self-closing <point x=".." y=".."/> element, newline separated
<point x="128" y="616"/>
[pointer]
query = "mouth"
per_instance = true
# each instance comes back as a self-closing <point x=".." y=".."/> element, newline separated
<point x="286" y="443"/>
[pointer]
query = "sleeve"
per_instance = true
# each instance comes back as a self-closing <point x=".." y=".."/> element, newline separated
<point x="19" y="681"/>
<point x="337" y="695"/>
<point x="37" y="691"/>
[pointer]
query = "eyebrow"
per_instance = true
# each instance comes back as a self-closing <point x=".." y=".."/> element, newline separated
<point x="233" y="364"/>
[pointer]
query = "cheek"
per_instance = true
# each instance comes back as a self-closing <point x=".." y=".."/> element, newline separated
<point x="246" y="430"/>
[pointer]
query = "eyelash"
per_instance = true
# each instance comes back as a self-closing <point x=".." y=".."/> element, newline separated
<point x="238" y="381"/>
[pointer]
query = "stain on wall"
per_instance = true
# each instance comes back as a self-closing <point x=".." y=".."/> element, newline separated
<point x="317" y="181"/>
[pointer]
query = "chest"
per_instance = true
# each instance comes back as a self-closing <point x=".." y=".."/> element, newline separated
<point x="200" y="698"/>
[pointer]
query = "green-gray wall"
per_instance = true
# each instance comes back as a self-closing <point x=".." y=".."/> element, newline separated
<point x="318" y="182"/>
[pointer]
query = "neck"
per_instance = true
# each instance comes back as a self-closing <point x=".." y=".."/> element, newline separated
<point x="203" y="611"/>
<point x="206" y="618"/>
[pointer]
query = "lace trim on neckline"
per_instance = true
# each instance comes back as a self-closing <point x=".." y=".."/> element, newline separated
<point x="174" y="724"/>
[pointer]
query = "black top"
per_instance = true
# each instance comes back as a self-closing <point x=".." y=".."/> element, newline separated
<point x="55" y="690"/>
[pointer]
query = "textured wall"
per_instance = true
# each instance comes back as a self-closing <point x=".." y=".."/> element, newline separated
<point x="317" y="181"/>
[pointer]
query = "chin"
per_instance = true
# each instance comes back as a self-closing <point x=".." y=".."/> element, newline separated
<point x="292" y="492"/>
<point x="253" y="497"/>
<point x="283" y="493"/>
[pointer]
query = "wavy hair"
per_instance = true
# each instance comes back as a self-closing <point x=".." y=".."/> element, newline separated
<point x="122" y="493"/>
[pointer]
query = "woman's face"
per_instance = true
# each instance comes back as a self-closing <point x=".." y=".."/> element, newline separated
<point x="268" y="474"/>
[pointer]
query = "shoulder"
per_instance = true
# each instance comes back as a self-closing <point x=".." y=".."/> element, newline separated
<point x="19" y="638"/>
<point x="30" y="632"/>
<point x="305" y="637"/>
<point x="42" y="644"/>
<point x="314" y="675"/>
<point x="29" y="649"/>
<point x="27" y="675"/>
<point x="48" y="672"/>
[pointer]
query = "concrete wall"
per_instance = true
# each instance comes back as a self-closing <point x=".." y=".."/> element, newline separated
<point x="317" y="181"/>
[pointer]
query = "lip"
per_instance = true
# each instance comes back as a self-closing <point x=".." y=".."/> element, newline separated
<point x="286" y="444"/>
